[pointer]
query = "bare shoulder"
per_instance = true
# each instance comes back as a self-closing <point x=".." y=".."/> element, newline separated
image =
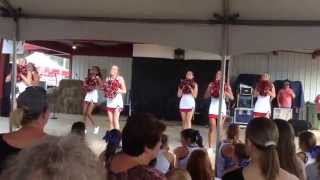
<point x="120" y="78"/>
<point x="284" y="175"/>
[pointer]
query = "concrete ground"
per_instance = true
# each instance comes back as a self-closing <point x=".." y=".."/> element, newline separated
<point x="62" y="125"/>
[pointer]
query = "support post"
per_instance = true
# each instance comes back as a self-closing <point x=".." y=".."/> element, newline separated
<point x="14" y="70"/>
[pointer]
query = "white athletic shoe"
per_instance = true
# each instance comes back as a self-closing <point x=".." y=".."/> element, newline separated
<point x="96" y="130"/>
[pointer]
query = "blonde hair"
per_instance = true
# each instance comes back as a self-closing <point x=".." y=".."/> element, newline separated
<point x="56" y="158"/>
<point x="264" y="135"/>
<point x="178" y="174"/>
<point x="16" y="117"/>
<point x="22" y="116"/>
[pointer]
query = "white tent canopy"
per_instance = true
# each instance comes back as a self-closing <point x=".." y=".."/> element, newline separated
<point x="187" y="26"/>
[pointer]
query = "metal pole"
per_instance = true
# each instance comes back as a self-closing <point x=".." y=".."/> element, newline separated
<point x="224" y="56"/>
<point x="14" y="70"/>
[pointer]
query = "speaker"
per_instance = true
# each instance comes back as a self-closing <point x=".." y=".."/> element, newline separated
<point x="242" y="115"/>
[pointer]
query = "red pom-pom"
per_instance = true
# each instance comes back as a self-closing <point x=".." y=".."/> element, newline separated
<point x="91" y="83"/>
<point x="184" y="85"/>
<point x="111" y="88"/>
<point x="215" y="88"/>
<point x="264" y="87"/>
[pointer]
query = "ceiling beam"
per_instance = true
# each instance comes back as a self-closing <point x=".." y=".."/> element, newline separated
<point x="8" y="6"/>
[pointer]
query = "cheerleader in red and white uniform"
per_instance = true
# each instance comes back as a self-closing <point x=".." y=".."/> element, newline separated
<point x="91" y="85"/>
<point x="264" y="92"/>
<point x="188" y="91"/>
<point x="114" y="87"/>
<point x="22" y="74"/>
<point x="213" y="91"/>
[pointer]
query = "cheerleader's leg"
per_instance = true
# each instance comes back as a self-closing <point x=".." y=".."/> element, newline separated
<point x="110" y="117"/>
<point x="212" y="130"/>
<point x="116" y="116"/>
<point x="183" y="119"/>
<point x="85" y="111"/>
<point x="189" y="116"/>
<point x="91" y="107"/>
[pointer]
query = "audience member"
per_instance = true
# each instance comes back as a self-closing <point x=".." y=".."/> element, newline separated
<point x="165" y="160"/>
<point x="308" y="145"/>
<point x="56" y="158"/>
<point x="287" y="150"/>
<point x="113" y="141"/>
<point x="78" y="128"/>
<point x="303" y="157"/>
<point x="261" y="140"/>
<point x="199" y="165"/>
<point x="313" y="170"/>
<point x="31" y="116"/>
<point x="226" y="160"/>
<point x="178" y="174"/>
<point x="190" y="141"/>
<point x="141" y="140"/>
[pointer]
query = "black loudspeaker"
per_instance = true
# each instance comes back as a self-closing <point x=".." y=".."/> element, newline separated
<point x="299" y="126"/>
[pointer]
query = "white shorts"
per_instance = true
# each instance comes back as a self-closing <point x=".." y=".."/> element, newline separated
<point x="116" y="102"/>
<point x="214" y="107"/>
<point x="21" y="86"/>
<point x="92" y="96"/>
<point x="187" y="102"/>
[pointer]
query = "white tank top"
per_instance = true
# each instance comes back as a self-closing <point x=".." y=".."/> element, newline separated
<point x="163" y="163"/>
<point x="183" y="162"/>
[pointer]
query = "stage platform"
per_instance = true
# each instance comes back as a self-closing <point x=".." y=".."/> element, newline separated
<point x="62" y="125"/>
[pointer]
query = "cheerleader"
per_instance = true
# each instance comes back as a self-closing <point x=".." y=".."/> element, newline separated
<point x="213" y="91"/>
<point x="264" y="92"/>
<point x="188" y="91"/>
<point x="91" y="86"/>
<point x="114" y="87"/>
<point x="22" y="74"/>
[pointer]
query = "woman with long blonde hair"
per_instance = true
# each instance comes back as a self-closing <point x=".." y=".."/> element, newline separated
<point x="114" y="87"/>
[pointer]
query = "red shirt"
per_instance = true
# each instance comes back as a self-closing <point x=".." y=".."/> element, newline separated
<point x="317" y="101"/>
<point x="285" y="97"/>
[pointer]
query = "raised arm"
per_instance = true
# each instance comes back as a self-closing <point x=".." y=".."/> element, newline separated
<point x="229" y="93"/>
<point x="123" y="88"/>
<point x="195" y="90"/>
<point x="207" y="93"/>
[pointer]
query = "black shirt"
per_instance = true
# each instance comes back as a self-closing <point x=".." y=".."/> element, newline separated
<point x="234" y="175"/>
<point x="6" y="150"/>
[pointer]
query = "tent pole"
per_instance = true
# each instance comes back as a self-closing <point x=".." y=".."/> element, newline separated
<point x="224" y="56"/>
<point x="14" y="70"/>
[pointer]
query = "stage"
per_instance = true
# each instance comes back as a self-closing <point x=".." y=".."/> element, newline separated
<point x="62" y="125"/>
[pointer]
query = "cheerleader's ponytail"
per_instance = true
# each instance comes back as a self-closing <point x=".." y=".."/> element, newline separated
<point x="199" y="139"/>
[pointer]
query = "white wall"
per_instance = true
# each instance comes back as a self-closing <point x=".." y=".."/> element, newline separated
<point x="158" y="51"/>
<point x="298" y="67"/>
<point x="81" y="64"/>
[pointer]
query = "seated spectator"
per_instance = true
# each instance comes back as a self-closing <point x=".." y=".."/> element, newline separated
<point x="178" y="174"/>
<point x="113" y="141"/>
<point x="141" y="140"/>
<point x="226" y="160"/>
<point x="55" y="158"/>
<point x="165" y="159"/>
<point x="262" y="138"/>
<point x="308" y="145"/>
<point x="190" y="141"/>
<point x="78" y="128"/>
<point x="287" y="150"/>
<point x="31" y="116"/>
<point x="199" y="165"/>
<point x="313" y="170"/>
